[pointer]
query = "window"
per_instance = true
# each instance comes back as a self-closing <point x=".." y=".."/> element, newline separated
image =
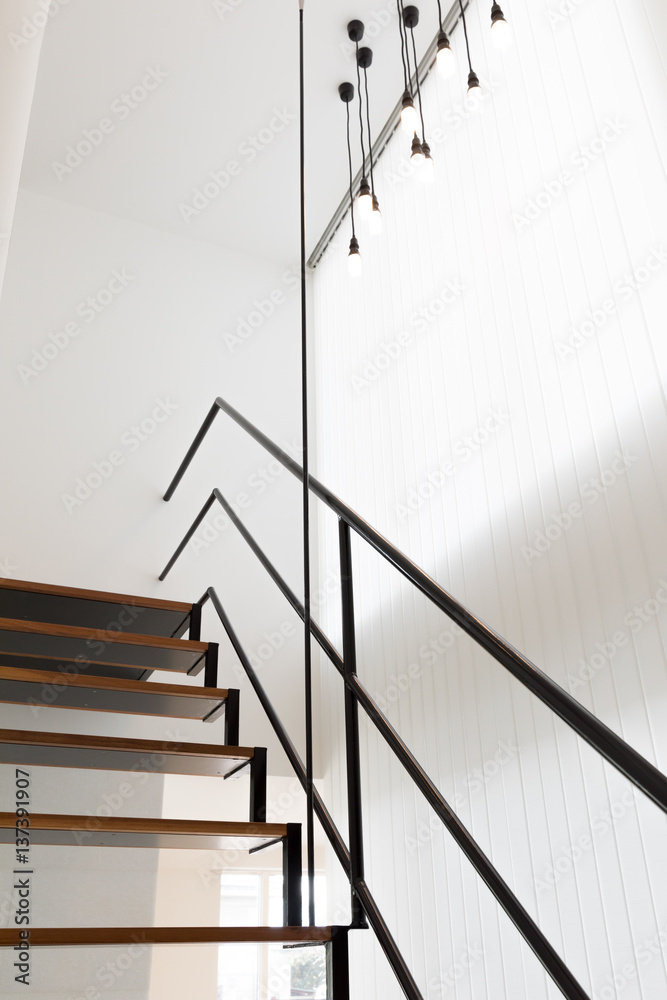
<point x="269" y="971"/>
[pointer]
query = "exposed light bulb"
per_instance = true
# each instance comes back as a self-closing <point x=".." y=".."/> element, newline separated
<point x="376" y="218"/>
<point x="354" y="259"/>
<point x="445" y="59"/>
<point x="417" y="156"/>
<point x="427" y="169"/>
<point x="474" y="88"/>
<point x="364" y="201"/>
<point x="500" y="29"/>
<point x="409" y="116"/>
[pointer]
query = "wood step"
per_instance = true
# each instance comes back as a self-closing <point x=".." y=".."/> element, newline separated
<point x="121" y="831"/>
<point x="54" y="689"/>
<point x="68" y="936"/>
<point x="38" y="749"/>
<point x="46" y="646"/>
<point x="45" y="602"/>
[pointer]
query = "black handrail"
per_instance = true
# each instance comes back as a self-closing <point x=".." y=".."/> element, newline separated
<point x="362" y="891"/>
<point x="615" y="750"/>
<point x="356" y="692"/>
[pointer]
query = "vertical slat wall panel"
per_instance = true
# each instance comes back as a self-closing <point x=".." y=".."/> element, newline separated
<point x="553" y="529"/>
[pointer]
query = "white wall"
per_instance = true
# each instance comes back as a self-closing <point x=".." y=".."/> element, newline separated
<point x="527" y="518"/>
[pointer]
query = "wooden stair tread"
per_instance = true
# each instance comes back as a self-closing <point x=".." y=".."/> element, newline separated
<point x="97" y="609"/>
<point x="121" y="831"/>
<point x="108" y="694"/>
<point x="40" y="749"/>
<point x="69" y="936"/>
<point x="41" y="645"/>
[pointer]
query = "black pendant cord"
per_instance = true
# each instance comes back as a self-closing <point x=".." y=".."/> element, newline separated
<point x="401" y="14"/>
<point x="465" y="32"/>
<point x="406" y="75"/>
<point x="440" y="16"/>
<point x="310" y="828"/>
<point x="419" y="90"/>
<point x="349" y="160"/>
<point x="361" y="114"/>
<point x="368" y="122"/>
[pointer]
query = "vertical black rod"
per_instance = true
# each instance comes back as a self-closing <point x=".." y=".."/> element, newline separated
<point x="258" y="786"/>
<point x="353" y="757"/>
<point x="292" y="905"/>
<point x="310" y="823"/>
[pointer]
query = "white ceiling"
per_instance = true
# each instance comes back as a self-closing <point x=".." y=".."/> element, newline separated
<point x="229" y="64"/>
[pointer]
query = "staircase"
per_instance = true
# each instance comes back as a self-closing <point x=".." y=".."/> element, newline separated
<point x="57" y="648"/>
<point x="78" y="649"/>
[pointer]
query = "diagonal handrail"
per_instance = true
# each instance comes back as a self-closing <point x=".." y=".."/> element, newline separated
<point x="376" y="920"/>
<point x="517" y="913"/>
<point x="625" y="758"/>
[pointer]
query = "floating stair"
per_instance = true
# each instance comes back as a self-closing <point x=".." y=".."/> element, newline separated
<point x="109" y="753"/>
<point x="66" y="936"/>
<point x="54" y="689"/>
<point x="47" y="646"/>
<point x="43" y="602"/>
<point x="119" y="831"/>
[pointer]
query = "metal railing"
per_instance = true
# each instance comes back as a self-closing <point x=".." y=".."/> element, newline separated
<point x="635" y="767"/>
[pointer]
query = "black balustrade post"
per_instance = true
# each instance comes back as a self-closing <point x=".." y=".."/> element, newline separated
<point x="356" y="833"/>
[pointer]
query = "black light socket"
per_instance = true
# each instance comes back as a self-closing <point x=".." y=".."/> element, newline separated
<point x="346" y="92"/>
<point x="411" y="16"/>
<point x="473" y="80"/>
<point x="355" y="31"/>
<point x="496" y="14"/>
<point x="417" y="146"/>
<point x="364" y="187"/>
<point x="443" y="41"/>
<point x="354" y="245"/>
<point x="365" y="57"/>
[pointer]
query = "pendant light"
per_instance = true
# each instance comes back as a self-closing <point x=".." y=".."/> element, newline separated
<point x="364" y="60"/>
<point x="355" y="31"/>
<point x="421" y="151"/>
<point x="409" y="116"/>
<point x="474" y="88"/>
<point x="346" y="94"/>
<point x="500" y="29"/>
<point x="445" y="60"/>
